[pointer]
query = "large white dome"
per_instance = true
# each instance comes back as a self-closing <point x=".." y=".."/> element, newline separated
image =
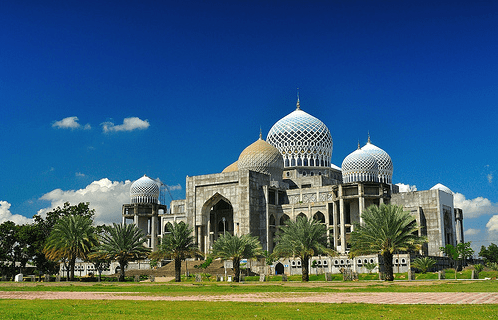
<point x="302" y="139"/>
<point x="144" y="190"/>
<point x="442" y="187"/>
<point x="384" y="161"/>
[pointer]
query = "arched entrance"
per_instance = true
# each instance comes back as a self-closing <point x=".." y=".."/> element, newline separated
<point x="279" y="268"/>
<point x="221" y="219"/>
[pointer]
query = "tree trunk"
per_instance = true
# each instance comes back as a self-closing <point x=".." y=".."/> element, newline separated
<point x="72" y="262"/>
<point x="305" y="268"/>
<point x="178" y="269"/>
<point x="388" y="265"/>
<point x="122" y="271"/>
<point x="236" y="269"/>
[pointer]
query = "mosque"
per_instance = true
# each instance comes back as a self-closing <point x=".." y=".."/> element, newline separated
<point x="290" y="174"/>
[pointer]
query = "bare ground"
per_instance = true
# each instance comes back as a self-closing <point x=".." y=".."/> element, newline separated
<point x="346" y="297"/>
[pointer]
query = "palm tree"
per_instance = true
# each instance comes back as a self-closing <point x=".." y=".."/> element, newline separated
<point x="302" y="238"/>
<point x="72" y="237"/>
<point x="386" y="229"/>
<point x="178" y="243"/>
<point x="123" y="243"/>
<point x="236" y="248"/>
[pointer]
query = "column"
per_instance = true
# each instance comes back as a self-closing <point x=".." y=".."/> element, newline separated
<point x="361" y="200"/>
<point x="336" y="224"/>
<point x="153" y="228"/>
<point x="267" y="222"/>
<point x="343" y="220"/>
<point x="208" y="244"/>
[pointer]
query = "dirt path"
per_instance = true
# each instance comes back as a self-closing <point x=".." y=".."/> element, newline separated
<point x="369" y="297"/>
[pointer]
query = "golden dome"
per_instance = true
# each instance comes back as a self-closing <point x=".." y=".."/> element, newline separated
<point x="231" y="168"/>
<point x="262" y="157"/>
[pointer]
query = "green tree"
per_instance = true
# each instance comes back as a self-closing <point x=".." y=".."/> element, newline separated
<point x="386" y="229"/>
<point x="42" y="227"/>
<point x="302" y="238"/>
<point x="178" y="243"/>
<point x="423" y="263"/>
<point x="490" y="254"/>
<point x="8" y="240"/>
<point x="123" y="243"/>
<point x="460" y="253"/>
<point x="236" y="248"/>
<point x="72" y="237"/>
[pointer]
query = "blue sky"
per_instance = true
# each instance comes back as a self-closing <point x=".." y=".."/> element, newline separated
<point x="94" y="94"/>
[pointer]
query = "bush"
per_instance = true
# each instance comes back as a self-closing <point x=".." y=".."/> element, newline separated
<point x="423" y="264"/>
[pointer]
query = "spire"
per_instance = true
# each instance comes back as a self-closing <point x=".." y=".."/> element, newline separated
<point x="260" y="134"/>
<point x="369" y="136"/>
<point x="298" y="106"/>
<point x="359" y="144"/>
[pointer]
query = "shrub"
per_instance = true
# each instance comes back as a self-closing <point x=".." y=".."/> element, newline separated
<point x="423" y="264"/>
<point x="478" y="267"/>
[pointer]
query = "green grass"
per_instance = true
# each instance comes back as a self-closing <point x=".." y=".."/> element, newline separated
<point x="254" y="287"/>
<point x="106" y="309"/>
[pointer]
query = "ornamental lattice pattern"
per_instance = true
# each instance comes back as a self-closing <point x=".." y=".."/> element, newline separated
<point x="302" y="139"/>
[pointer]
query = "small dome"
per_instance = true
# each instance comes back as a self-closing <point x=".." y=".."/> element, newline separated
<point x="231" y="168"/>
<point x="302" y="139"/>
<point x="383" y="161"/>
<point x="360" y="166"/>
<point x="144" y="190"/>
<point x="442" y="188"/>
<point x="262" y="157"/>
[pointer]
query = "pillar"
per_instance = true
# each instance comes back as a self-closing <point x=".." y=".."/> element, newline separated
<point x="336" y="224"/>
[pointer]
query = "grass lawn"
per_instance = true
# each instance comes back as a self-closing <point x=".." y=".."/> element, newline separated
<point x="105" y="309"/>
<point x="254" y="287"/>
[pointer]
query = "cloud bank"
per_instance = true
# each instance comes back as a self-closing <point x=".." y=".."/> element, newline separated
<point x="406" y="187"/>
<point x="104" y="195"/>
<point x="70" y="123"/>
<point x="6" y="215"/>
<point x="129" y="124"/>
<point x="473" y="208"/>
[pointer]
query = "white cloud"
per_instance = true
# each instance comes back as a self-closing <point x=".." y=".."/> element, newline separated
<point x="79" y="174"/>
<point x="490" y="177"/>
<point x="473" y="208"/>
<point x="70" y="123"/>
<point x="105" y="196"/>
<point x="492" y="224"/>
<point x="471" y="232"/>
<point x="129" y="124"/>
<point x="406" y="187"/>
<point x="6" y="215"/>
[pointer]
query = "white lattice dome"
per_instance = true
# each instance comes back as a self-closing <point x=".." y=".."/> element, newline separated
<point x="262" y="157"/>
<point x="144" y="190"/>
<point x="442" y="187"/>
<point x="302" y="139"/>
<point x="360" y="166"/>
<point x="384" y="162"/>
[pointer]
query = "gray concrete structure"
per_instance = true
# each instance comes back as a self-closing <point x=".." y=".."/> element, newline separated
<point x="291" y="175"/>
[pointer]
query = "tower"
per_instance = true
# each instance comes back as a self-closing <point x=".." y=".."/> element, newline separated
<point x="145" y="209"/>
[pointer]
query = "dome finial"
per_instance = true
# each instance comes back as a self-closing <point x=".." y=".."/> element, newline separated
<point x="260" y="134"/>
<point x="359" y="144"/>
<point x="369" y="137"/>
<point x="298" y="106"/>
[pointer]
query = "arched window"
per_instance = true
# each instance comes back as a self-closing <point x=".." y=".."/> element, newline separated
<point x="283" y="219"/>
<point x="300" y="215"/>
<point x="319" y="217"/>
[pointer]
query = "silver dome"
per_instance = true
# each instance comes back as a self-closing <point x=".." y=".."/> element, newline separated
<point x="302" y="139"/>
<point x="360" y="166"/>
<point x="144" y="190"/>
<point x="384" y="161"/>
